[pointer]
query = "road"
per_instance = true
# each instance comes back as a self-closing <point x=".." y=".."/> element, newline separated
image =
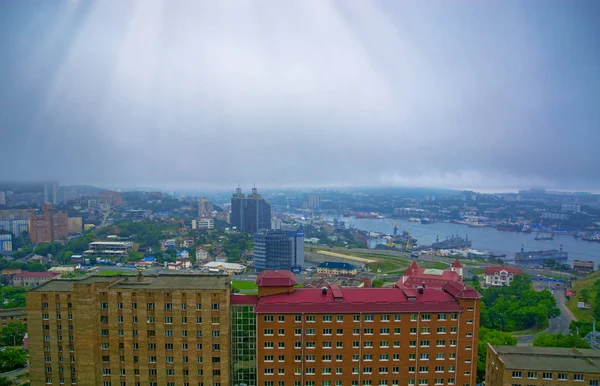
<point x="557" y="325"/>
<point x="14" y="373"/>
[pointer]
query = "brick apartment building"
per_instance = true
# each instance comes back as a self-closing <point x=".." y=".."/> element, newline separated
<point x="354" y="336"/>
<point x="48" y="226"/>
<point x="146" y="330"/>
<point x="13" y="315"/>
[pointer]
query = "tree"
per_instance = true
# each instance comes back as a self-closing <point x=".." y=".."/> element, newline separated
<point x="584" y="295"/>
<point x="560" y="340"/>
<point x="12" y="358"/>
<point x="5" y="382"/>
<point x="134" y="256"/>
<point x="580" y="327"/>
<point x="12" y="334"/>
<point x="493" y="337"/>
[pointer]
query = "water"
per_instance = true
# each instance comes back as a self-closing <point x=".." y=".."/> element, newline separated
<point x="484" y="238"/>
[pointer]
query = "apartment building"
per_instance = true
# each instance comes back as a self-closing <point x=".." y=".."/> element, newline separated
<point x="48" y="226"/>
<point x="33" y="279"/>
<point x="127" y="330"/>
<point x="508" y="365"/>
<point x="13" y="315"/>
<point x="334" y="336"/>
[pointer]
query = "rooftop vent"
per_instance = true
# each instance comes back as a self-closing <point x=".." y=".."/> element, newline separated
<point x="420" y="290"/>
<point x="323" y="290"/>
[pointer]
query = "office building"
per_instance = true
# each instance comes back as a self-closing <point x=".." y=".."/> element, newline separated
<point x="510" y="365"/>
<point x="51" y="193"/>
<point x="205" y="208"/>
<point x="206" y="223"/>
<point x="75" y="225"/>
<point x="152" y="330"/>
<point x="48" y="226"/>
<point x="356" y="336"/>
<point x="278" y="249"/>
<point x="6" y="243"/>
<point x="500" y="276"/>
<point x="250" y="213"/>
<point x="33" y="279"/>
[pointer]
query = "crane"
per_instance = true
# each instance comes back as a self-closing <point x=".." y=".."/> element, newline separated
<point x="407" y="241"/>
<point x="395" y="228"/>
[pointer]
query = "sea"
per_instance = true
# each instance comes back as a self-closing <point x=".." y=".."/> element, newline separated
<point x="483" y="238"/>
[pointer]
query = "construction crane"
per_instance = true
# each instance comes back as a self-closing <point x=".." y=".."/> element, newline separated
<point x="395" y="228"/>
<point x="407" y="241"/>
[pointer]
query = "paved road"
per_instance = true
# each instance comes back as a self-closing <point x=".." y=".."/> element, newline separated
<point x="14" y="373"/>
<point x="557" y="325"/>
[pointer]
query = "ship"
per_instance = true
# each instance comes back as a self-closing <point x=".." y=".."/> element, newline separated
<point x="414" y="219"/>
<point x="591" y="237"/>
<point x="538" y="256"/>
<point x="404" y="238"/>
<point x="367" y="215"/>
<point x="454" y="242"/>
<point x="544" y="237"/>
<point x="426" y="221"/>
<point x="508" y="227"/>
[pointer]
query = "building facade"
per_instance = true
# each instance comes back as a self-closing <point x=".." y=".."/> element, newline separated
<point x="146" y="330"/>
<point x="75" y="225"/>
<point x="16" y="227"/>
<point x="48" y="226"/>
<point x="109" y="248"/>
<point x="583" y="266"/>
<point x="510" y="365"/>
<point x="205" y="208"/>
<point x="250" y="213"/>
<point x="334" y="268"/>
<point x="206" y="223"/>
<point x="500" y="276"/>
<point x="364" y="336"/>
<point x="6" y="243"/>
<point x="278" y="249"/>
<point x="13" y="315"/>
<point x="33" y="279"/>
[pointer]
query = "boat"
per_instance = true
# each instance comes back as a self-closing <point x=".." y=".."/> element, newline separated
<point x="453" y="242"/>
<point x="509" y="227"/>
<point x="544" y="237"/>
<point x="414" y="219"/>
<point x="366" y="215"/>
<point x="426" y="221"/>
<point x="538" y="256"/>
<point x="591" y="237"/>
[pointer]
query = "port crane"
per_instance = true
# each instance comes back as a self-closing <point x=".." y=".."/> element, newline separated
<point x="395" y="228"/>
<point x="407" y="241"/>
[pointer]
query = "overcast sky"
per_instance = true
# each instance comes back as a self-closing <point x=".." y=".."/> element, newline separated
<point x="458" y="94"/>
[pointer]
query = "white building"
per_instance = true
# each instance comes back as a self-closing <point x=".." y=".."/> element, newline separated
<point x="62" y="269"/>
<point x="109" y="248"/>
<point x="231" y="268"/>
<point x="194" y="224"/>
<point x="276" y="223"/>
<point x="5" y="243"/>
<point x="206" y="223"/>
<point x="500" y="276"/>
<point x="574" y="208"/>
<point x="201" y="254"/>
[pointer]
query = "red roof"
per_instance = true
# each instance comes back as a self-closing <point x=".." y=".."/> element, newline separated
<point x="237" y="299"/>
<point x="461" y="291"/>
<point x="492" y="270"/>
<point x="276" y="279"/>
<point x="415" y="276"/>
<point x="36" y="274"/>
<point x="376" y="300"/>
<point x="457" y="264"/>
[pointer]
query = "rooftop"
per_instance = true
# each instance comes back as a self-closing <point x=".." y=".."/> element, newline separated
<point x="148" y="282"/>
<point x="492" y="270"/>
<point x="13" y="312"/>
<point x="36" y="274"/>
<point x="336" y="265"/>
<point x="217" y="264"/>
<point x="549" y="359"/>
<point x="276" y="278"/>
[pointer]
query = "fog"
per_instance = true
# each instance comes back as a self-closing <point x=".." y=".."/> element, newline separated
<point x="190" y="94"/>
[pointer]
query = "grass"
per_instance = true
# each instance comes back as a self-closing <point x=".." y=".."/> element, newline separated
<point x="578" y="285"/>
<point x="106" y="272"/>
<point x="244" y="285"/>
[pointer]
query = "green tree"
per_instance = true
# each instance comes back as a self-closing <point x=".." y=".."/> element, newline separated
<point x="12" y="358"/>
<point x="5" y="382"/>
<point x="12" y="297"/>
<point x="493" y="337"/>
<point x="580" y="327"/>
<point x="12" y="334"/>
<point x="378" y="283"/>
<point x="134" y="256"/>
<point x="584" y="295"/>
<point x="560" y="340"/>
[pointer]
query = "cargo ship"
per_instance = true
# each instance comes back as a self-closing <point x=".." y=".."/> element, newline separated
<point x="454" y="242"/>
<point x="538" y="256"/>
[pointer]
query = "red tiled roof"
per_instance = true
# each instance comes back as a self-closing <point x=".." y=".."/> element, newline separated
<point x="419" y="277"/>
<point x="37" y="274"/>
<point x="276" y="278"/>
<point x="237" y="299"/>
<point x="457" y="264"/>
<point x="491" y="270"/>
<point x="461" y="291"/>
<point x="311" y="300"/>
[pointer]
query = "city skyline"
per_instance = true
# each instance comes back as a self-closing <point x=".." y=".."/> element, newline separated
<point x="493" y="96"/>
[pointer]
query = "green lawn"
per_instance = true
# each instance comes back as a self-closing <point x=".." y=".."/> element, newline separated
<point x="106" y="272"/>
<point x="243" y="285"/>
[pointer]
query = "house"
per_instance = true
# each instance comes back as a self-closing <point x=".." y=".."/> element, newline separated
<point x="33" y="279"/>
<point x="335" y="268"/>
<point x="187" y="243"/>
<point x="202" y="255"/>
<point x="457" y="267"/>
<point x="500" y="276"/>
<point x="415" y="276"/>
<point x="183" y="254"/>
<point x="62" y="269"/>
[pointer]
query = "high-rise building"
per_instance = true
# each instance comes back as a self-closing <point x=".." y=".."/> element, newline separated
<point x="126" y="330"/>
<point x="16" y="227"/>
<point x="2" y="198"/>
<point x="250" y="213"/>
<point x="278" y="249"/>
<point x="50" y="193"/>
<point x="206" y="223"/>
<point x="5" y="243"/>
<point x="111" y="198"/>
<point x="49" y="226"/>
<point x="205" y="208"/>
<point x="314" y="200"/>
<point x="75" y="225"/>
<point x="354" y="336"/>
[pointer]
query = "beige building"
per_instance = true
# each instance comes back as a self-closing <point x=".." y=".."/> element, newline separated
<point x="152" y="330"/>
<point x="33" y="279"/>
<point x="13" y="315"/>
<point x="334" y="268"/>
<point x="508" y="365"/>
<point x="75" y="225"/>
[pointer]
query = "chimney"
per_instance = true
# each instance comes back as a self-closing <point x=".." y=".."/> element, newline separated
<point x="323" y="291"/>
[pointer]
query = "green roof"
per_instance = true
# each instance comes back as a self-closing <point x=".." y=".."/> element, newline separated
<point x="551" y="359"/>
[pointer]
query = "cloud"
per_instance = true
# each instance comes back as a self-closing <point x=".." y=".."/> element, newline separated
<point x="301" y="93"/>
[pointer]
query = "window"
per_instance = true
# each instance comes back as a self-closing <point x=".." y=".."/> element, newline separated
<point x="424" y="343"/>
<point x="214" y="307"/>
<point x="563" y="377"/>
<point x="383" y="370"/>
<point x="356" y="318"/>
<point x="281" y="332"/>
<point x="281" y="318"/>
<point x="327" y="318"/>
<point x="396" y="357"/>
<point x="594" y="383"/>
<point x="532" y="375"/>
<point x="339" y="331"/>
<point x="368" y="357"/>
<point x="268" y="318"/>
<point x="439" y="369"/>
<point x="440" y="343"/>
<point x="454" y="316"/>
<point x="367" y="370"/>
<point x="368" y="331"/>
<point x="311" y="318"/>
<point x="441" y="330"/>
<point x="517" y="374"/>
<point x="368" y="344"/>
<point x="424" y="357"/>
<point x="452" y="343"/>
<point x="340" y="318"/>
<point x="425" y="317"/>
<point x="310" y="371"/>
<point x="385" y="318"/>
<point x="298" y="318"/>
<point x="339" y="358"/>
<point x="368" y="318"/>
<point x="311" y="331"/>
<point x="397" y="331"/>
<point x="453" y="330"/>
<point x="383" y="357"/>
<point x="269" y="345"/>
<point x="423" y="369"/>
<point x="269" y="371"/>
<point x="198" y="319"/>
<point x="356" y="331"/>
<point x="268" y="331"/>
<point x="310" y="344"/>
<point x="578" y="377"/>
<point x="325" y="344"/>
<point x="441" y="317"/>
<point x="413" y="317"/>
<point x="425" y="330"/>
<point x="326" y="371"/>
<point x="384" y="331"/>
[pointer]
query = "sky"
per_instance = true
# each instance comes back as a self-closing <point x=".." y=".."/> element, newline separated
<point x="484" y="95"/>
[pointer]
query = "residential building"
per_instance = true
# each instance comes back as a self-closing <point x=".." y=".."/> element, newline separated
<point x="183" y="254"/>
<point x="276" y="223"/>
<point x="33" y="279"/>
<point x="48" y="226"/>
<point x="250" y="213"/>
<point x="314" y="200"/>
<point x="205" y="208"/>
<point x="50" y="193"/>
<point x="415" y="276"/>
<point x="278" y="249"/>
<point x="16" y="227"/>
<point x="166" y="330"/>
<point x="194" y="224"/>
<point x="13" y="315"/>
<point x="111" y="198"/>
<point x="500" y="276"/>
<point x="335" y="268"/>
<point x="555" y="216"/>
<point x="7" y="275"/>
<point x="230" y="268"/>
<point x="63" y="269"/>
<point x="202" y="254"/>
<point x="222" y="216"/>
<point x="109" y="248"/>
<point x="187" y="243"/>
<point x="168" y="244"/>
<point x="515" y="365"/>
<point x="6" y="243"/>
<point x="358" y="336"/>
<point x="583" y="266"/>
<point x="573" y="208"/>
<point x="206" y="223"/>
<point x="15" y="214"/>
<point x="75" y="225"/>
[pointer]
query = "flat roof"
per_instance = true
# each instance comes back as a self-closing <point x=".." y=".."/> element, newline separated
<point x="161" y="281"/>
<point x="549" y="359"/>
<point x="13" y="312"/>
